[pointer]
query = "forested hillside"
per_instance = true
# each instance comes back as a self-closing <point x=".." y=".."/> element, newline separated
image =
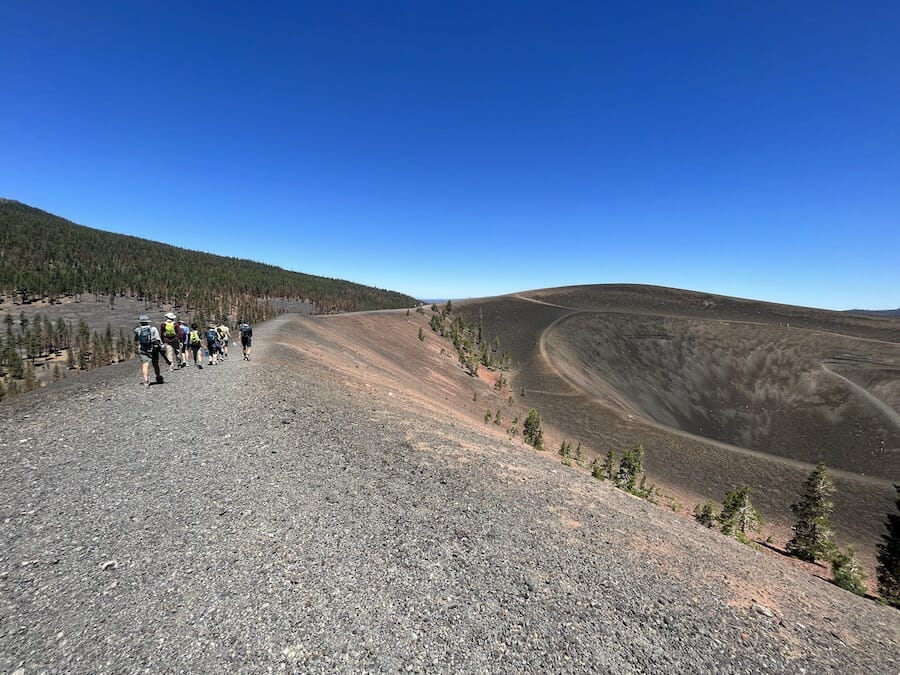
<point x="44" y="256"/>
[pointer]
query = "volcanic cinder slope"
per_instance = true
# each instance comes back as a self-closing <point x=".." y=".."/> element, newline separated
<point x="335" y="505"/>
<point x="720" y="392"/>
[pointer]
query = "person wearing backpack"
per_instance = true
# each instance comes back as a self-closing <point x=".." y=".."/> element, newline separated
<point x="224" y="338"/>
<point x="185" y="334"/>
<point x="194" y="343"/>
<point x="170" y="333"/>
<point x="246" y="339"/>
<point x="147" y="343"/>
<point x="212" y="344"/>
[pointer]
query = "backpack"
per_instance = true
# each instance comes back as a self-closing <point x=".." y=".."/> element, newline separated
<point x="194" y="338"/>
<point x="144" y="340"/>
<point x="245" y="330"/>
<point x="169" y="329"/>
<point x="212" y="336"/>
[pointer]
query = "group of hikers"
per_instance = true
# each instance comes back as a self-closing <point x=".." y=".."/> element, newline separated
<point x="178" y="344"/>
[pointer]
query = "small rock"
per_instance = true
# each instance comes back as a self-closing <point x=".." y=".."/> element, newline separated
<point x="110" y="565"/>
<point x="765" y="611"/>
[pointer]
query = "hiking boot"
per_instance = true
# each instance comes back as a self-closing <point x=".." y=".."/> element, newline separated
<point x="200" y="366"/>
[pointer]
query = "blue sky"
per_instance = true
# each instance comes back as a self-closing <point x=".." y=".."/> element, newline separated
<point x="464" y="149"/>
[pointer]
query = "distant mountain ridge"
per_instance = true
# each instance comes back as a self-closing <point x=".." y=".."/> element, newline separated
<point x="43" y="255"/>
<point x="875" y="312"/>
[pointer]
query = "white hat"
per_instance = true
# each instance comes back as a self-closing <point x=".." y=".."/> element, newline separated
<point x="169" y="315"/>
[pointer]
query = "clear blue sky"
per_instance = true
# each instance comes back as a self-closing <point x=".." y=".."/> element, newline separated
<point x="462" y="149"/>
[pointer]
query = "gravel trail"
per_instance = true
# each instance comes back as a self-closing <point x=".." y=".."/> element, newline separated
<point x="261" y="517"/>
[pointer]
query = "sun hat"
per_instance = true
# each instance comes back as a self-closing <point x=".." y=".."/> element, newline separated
<point x="143" y="318"/>
<point x="169" y="315"/>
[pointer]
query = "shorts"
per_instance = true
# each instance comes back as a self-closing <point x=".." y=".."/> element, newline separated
<point x="145" y="357"/>
<point x="245" y="341"/>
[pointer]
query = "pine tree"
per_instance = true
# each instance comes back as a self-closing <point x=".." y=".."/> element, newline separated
<point x="609" y="466"/>
<point x="565" y="452"/>
<point x="532" y="431"/>
<point x="888" y="570"/>
<point x="631" y="465"/>
<point x="739" y="515"/>
<point x="812" y="532"/>
<point x="847" y="572"/>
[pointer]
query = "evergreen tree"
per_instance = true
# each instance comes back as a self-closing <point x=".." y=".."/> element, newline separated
<point x="812" y="532"/>
<point x="565" y="452"/>
<point x="888" y="570"/>
<point x="630" y="466"/>
<point x="847" y="572"/>
<point x="532" y="431"/>
<point x="579" y="454"/>
<point x="610" y="466"/>
<point x="739" y="515"/>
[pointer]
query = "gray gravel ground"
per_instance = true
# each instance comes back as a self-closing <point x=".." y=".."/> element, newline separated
<point x="261" y="517"/>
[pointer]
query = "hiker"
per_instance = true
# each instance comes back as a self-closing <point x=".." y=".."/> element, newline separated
<point x="246" y="339"/>
<point x="147" y="345"/>
<point x="194" y="343"/>
<point x="185" y="333"/>
<point x="171" y="339"/>
<point x="212" y="344"/>
<point x="224" y="338"/>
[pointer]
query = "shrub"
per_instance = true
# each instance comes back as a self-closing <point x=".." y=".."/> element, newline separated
<point x="706" y="514"/>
